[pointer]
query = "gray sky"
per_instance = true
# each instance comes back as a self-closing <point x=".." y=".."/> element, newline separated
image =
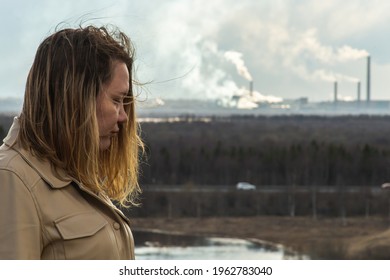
<point x="211" y="48"/>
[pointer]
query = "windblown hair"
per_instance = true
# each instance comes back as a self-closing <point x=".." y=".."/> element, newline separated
<point x="58" y="121"/>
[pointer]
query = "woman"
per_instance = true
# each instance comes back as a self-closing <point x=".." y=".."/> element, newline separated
<point x="73" y="149"/>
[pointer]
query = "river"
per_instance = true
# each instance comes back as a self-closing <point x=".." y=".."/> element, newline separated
<point x="170" y="246"/>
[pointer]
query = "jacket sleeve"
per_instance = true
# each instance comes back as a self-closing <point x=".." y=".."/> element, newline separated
<point x="20" y="234"/>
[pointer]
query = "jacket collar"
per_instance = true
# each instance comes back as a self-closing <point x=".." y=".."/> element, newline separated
<point x="43" y="167"/>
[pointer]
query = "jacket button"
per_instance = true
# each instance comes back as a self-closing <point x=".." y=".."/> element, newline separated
<point x="117" y="226"/>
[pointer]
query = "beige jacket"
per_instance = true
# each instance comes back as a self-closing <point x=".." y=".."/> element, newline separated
<point x="46" y="217"/>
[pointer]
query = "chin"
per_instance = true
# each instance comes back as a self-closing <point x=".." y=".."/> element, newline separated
<point x="104" y="145"/>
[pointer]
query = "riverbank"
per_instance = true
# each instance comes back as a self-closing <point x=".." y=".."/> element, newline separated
<point x="324" y="238"/>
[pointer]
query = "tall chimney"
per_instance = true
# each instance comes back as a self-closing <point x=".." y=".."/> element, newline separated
<point x="335" y="92"/>
<point x="368" y="79"/>
<point x="358" y="91"/>
<point x="251" y="88"/>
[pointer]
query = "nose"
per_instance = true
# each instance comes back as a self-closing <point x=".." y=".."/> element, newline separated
<point x="122" y="117"/>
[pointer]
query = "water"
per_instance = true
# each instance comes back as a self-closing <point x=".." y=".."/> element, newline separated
<point x="161" y="246"/>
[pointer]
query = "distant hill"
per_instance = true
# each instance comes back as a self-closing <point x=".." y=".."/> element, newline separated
<point x="5" y="124"/>
<point x="10" y="105"/>
<point x="6" y="120"/>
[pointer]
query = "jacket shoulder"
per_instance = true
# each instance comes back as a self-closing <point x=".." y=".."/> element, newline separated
<point x="12" y="161"/>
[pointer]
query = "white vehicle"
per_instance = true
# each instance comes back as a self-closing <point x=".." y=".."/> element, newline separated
<point x="245" y="186"/>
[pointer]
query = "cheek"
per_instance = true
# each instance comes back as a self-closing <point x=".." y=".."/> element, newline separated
<point x="106" y="117"/>
<point x="100" y="119"/>
<point x="101" y="116"/>
<point x="99" y="110"/>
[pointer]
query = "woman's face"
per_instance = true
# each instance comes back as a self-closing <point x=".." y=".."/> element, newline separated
<point x="109" y="105"/>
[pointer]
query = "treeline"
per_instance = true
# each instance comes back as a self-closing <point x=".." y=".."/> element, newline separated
<point x="5" y="123"/>
<point x="309" y="201"/>
<point x="278" y="150"/>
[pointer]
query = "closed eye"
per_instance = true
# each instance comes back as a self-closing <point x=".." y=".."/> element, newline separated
<point x="117" y="100"/>
<point x="123" y="100"/>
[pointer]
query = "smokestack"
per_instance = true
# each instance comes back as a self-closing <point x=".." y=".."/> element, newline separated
<point x="358" y="91"/>
<point x="368" y="79"/>
<point x="251" y="88"/>
<point x="335" y="92"/>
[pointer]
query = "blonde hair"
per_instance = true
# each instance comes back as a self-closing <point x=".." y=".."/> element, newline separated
<point x="58" y="120"/>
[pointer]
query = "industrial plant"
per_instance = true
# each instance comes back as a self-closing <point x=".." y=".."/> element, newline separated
<point x="254" y="101"/>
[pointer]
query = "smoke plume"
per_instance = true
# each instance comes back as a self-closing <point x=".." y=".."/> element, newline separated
<point x="276" y="48"/>
<point x="236" y="58"/>
<point x="329" y="76"/>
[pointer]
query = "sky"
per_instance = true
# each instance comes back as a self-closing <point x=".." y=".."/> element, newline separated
<point x="202" y="49"/>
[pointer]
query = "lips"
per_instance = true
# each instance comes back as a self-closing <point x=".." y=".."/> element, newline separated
<point x="114" y="133"/>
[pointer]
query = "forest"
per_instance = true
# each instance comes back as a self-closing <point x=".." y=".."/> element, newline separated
<point x="268" y="150"/>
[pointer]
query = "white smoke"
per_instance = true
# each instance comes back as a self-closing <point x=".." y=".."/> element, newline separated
<point x="275" y="37"/>
<point x="347" y="53"/>
<point x="210" y="76"/>
<point x="245" y="100"/>
<point x="304" y="55"/>
<point x="328" y="76"/>
<point x="236" y="59"/>
<point x="344" y="98"/>
<point x="274" y="48"/>
<point x="308" y="45"/>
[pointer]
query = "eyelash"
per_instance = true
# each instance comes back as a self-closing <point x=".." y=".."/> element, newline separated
<point x="117" y="100"/>
<point x="126" y="100"/>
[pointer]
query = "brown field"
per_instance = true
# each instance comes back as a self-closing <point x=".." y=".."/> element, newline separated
<point x="324" y="238"/>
